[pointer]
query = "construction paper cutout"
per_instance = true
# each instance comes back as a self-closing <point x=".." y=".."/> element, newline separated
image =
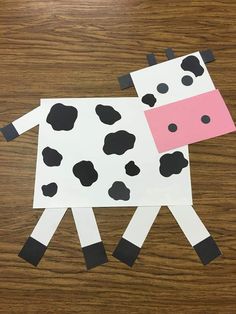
<point x="94" y="255"/>
<point x="36" y="245"/>
<point x="49" y="189"/>
<point x="170" y="53"/>
<point x="62" y="118"/>
<point x="207" y="56"/>
<point x="21" y="125"/>
<point x="151" y="59"/>
<point x="126" y="252"/>
<point x="132" y="169"/>
<point x="51" y="157"/>
<point x="119" y="191"/>
<point x="9" y="132"/>
<point x="171" y="73"/>
<point x="162" y="88"/>
<point x="142" y="220"/>
<point x="190" y="223"/>
<point x="205" y="119"/>
<point x="32" y="251"/>
<point x="125" y="81"/>
<point x="191" y="118"/>
<point x="131" y="242"/>
<point x="149" y="100"/>
<point x="85" y="142"/>
<point x="107" y="114"/>
<point x="172" y="127"/>
<point x="85" y="172"/>
<point x="118" y="143"/>
<point x="172" y="164"/>
<point x="187" y="80"/>
<point x="86" y="226"/>
<point x="207" y="250"/>
<point x="192" y="64"/>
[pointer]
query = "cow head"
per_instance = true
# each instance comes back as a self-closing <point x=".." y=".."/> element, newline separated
<point x="179" y="99"/>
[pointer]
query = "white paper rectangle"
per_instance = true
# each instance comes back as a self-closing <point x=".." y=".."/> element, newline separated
<point x="85" y="142"/>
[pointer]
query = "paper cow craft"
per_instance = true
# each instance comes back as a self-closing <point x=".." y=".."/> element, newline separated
<point x="97" y="152"/>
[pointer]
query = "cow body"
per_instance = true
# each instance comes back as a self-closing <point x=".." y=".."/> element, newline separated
<point x="91" y="163"/>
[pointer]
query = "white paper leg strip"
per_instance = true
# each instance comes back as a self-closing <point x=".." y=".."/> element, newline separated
<point x="140" y="224"/>
<point x="48" y="224"/>
<point x="86" y="226"/>
<point x="190" y="223"/>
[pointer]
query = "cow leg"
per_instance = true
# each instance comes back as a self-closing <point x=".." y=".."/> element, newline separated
<point x="36" y="245"/>
<point x="134" y="236"/>
<point x="196" y="233"/>
<point x="89" y="236"/>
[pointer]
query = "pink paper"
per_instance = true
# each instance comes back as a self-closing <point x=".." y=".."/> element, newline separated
<point x="185" y="119"/>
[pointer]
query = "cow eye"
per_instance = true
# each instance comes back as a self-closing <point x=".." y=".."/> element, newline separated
<point x="162" y="88"/>
<point x="187" y="80"/>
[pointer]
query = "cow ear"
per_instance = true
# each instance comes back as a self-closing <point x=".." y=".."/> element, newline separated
<point x="125" y="81"/>
<point x="169" y="53"/>
<point x="151" y="59"/>
<point x="207" y="55"/>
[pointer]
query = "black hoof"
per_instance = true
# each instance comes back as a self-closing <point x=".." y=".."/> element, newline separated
<point x="9" y="132"/>
<point x="32" y="251"/>
<point x="94" y="255"/>
<point x="207" y="250"/>
<point x="126" y="252"/>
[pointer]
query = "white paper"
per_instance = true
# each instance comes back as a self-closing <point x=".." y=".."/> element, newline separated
<point x="140" y="224"/>
<point x="47" y="224"/>
<point x="85" y="142"/>
<point x="190" y="223"/>
<point x="86" y="226"/>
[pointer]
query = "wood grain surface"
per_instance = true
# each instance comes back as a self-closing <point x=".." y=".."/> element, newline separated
<point x="78" y="48"/>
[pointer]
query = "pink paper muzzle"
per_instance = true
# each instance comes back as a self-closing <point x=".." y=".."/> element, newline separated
<point x="189" y="121"/>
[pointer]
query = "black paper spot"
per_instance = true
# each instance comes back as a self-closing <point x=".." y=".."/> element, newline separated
<point x="118" y="143"/>
<point x="172" y="127"/>
<point x="172" y="164"/>
<point x="162" y="88"/>
<point x="49" y="189"/>
<point x="205" y="119"/>
<point x="192" y="64"/>
<point x="132" y="169"/>
<point x="85" y="172"/>
<point x="62" y="117"/>
<point x="51" y="157"/>
<point x="187" y="80"/>
<point x="107" y="114"/>
<point x="149" y="100"/>
<point x="119" y="191"/>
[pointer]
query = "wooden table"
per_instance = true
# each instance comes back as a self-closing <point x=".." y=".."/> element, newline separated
<point x="77" y="49"/>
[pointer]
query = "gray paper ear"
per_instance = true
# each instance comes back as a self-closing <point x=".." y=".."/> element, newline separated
<point x="170" y="53"/>
<point x="207" y="55"/>
<point x="151" y="59"/>
<point x="125" y="81"/>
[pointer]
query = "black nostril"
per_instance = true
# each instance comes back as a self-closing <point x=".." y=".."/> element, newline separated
<point x="172" y="127"/>
<point x="205" y="119"/>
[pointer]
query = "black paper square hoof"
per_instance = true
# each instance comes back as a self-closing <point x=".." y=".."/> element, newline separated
<point x="94" y="255"/>
<point x="207" y="250"/>
<point x="32" y="251"/>
<point x="126" y="252"/>
<point x="9" y="132"/>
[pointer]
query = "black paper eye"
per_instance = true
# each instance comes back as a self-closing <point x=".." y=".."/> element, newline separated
<point x="205" y="119"/>
<point x="187" y="80"/>
<point x="162" y="88"/>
